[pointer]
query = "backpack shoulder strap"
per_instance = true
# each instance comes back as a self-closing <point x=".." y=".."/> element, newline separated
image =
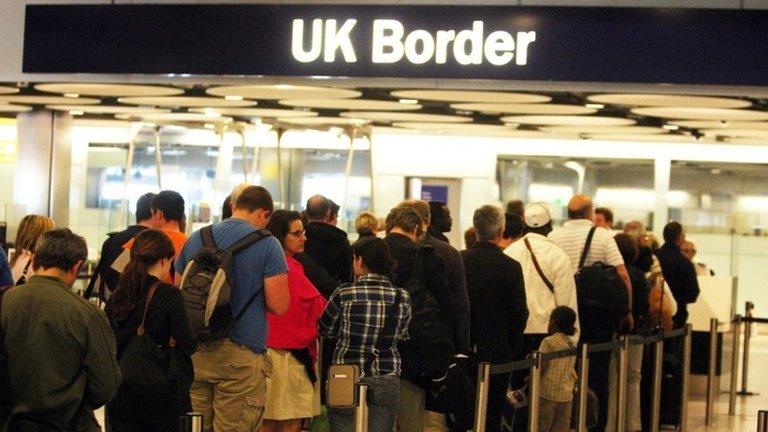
<point x="538" y="267"/>
<point x="206" y="234"/>
<point x="248" y="240"/>
<point x="588" y="243"/>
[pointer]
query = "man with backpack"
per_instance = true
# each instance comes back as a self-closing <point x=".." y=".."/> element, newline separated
<point x="428" y="353"/>
<point x="603" y="289"/>
<point x="230" y="384"/>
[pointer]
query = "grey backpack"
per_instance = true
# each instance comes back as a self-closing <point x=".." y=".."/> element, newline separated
<point x="206" y="286"/>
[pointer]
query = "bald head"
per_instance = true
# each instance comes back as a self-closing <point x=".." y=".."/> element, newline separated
<point x="319" y="209"/>
<point x="580" y="207"/>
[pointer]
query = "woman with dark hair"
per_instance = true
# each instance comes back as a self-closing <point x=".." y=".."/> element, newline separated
<point x="143" y="302"/>
<point x="357" y="314"/>
<point x="292" y="387"/>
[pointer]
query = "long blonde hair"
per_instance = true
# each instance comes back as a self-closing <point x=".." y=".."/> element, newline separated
<point x="31" y="228"/>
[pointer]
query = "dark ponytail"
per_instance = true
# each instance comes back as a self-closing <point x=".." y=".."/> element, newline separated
<point x="149" y="247"/>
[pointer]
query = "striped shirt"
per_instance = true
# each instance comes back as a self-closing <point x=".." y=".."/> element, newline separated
<point x="573" y="235"/>
<point x="356" y="314"/>
<point x="559" y="378"/>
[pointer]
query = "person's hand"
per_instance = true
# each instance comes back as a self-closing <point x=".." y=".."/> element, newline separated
<point x="629" y="322"/>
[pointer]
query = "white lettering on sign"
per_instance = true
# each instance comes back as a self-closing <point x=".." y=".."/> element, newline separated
<point x="390" y="44"/>
<point x="327" y="42"/>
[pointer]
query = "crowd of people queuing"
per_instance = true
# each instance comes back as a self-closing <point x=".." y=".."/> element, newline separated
<point x="400" y="303"/>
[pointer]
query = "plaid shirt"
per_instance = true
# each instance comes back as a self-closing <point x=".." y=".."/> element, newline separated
<point x="356" y="313"/>
<point x="559" y="378"/>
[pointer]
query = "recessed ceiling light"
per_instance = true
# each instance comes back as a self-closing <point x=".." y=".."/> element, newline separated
<point x="526" y="108"/>
<point x="284" y="91"/>
<point x="351" y="104"/>
<point x="470" y="96"/>
<point x="185" y="101"/>
<point x="409" y="101"/>
<point x="668" y="100"/>
<point x="233" y="97"/>
<point x="76" y="112"/>
<point x="671" y="127"/>
<point x="565" y="120"/>
<point x="71" y="95"/>
<point x="594" y="105"/>
<point x="688" y="113"/>
<point x="209" y="126"/>
<point x="109" y="90"/>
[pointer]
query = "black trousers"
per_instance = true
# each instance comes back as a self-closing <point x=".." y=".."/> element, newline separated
<point x="599" y="369"/>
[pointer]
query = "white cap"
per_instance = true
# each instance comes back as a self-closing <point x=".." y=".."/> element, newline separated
<point x="537" y="214"/>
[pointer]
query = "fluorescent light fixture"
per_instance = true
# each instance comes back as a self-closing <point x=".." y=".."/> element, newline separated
<point x="71" y="95"/>
<point x="209" y="126"/>
<point x="594" y="105"/>
<point x="671" y="127"/>
<point x="409" y="101"/>
<point x="233" y="97"/>
<point x="76" y="112"/>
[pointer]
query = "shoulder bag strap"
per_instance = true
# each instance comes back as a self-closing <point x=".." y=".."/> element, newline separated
<point x="390" y="326"/>
<point x="206" y="234"/>
<point x="538" y="267"/>
<point x="588" y="243"/>
<point x="150" y="294"/>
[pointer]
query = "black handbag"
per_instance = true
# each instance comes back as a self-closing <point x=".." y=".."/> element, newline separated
<point x="155" y="372"/>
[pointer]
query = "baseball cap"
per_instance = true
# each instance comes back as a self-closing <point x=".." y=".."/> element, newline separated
<point x="537" y="214"/>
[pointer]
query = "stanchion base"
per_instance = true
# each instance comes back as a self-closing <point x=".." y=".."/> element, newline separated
<point x="747" y="393"/>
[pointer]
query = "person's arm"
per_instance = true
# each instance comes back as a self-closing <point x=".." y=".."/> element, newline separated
<point x="518" y="311"/>
<point x="276" y="294"/>
<point x="328" y="324"/>
<point x="459" y="304"/>
<point x="692" y="290"/>
<point x="100" y="362"/>
<point x="180" y="328"/>
<point x="629" y="319"/>
<point x="565" y="288"/>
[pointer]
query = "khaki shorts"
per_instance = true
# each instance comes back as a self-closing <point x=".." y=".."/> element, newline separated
<point x="229" y="387"/>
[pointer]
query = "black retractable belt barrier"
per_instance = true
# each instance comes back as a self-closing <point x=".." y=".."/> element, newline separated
<point x="735" y="332"/>
<point x="711" y="371"/>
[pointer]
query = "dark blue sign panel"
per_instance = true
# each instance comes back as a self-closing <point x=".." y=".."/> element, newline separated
<point x="630" y="45"/>
<point x="434" y="193"/>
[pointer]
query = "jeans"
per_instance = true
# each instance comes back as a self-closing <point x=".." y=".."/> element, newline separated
<point x="383" y="399"/>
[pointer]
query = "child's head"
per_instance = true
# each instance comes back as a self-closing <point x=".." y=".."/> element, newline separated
<point x="562" y="320"/>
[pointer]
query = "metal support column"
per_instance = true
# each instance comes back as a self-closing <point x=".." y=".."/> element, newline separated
<point x="711" y="371"/>
<point x="621" y="405"/>
<point x="158" y="159"/>
<point x="534" y="392"/>
<point x="686" y="384"/>
<point x="658" y="357"/>
<point x="581" y="422"/>
<point x="735" y="333"/>
<point x="481" y="404"/>
<point x="280" y="187"/>
<point x="361" y="411"/>
<point x="748" y="308"/>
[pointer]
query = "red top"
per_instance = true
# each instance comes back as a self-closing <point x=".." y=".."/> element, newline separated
<point x="297" y="329"/>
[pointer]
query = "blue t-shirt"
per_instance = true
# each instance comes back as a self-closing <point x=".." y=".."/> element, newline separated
<point x="249" y="269"/>
<point x="6" y="279"/>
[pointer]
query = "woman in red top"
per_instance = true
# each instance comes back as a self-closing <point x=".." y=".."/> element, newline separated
<point x="292" y="338"/>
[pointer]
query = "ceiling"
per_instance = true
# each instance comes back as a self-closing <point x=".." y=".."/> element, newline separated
<point x="569" y="115"/>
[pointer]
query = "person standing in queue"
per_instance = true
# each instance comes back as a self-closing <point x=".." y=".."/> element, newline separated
<point x="498" y="311"/>
<point x="356" y="314"/>
<point x="31" y="228"/>
<point x="143" y="300"/>
<point x="292" y="384"/>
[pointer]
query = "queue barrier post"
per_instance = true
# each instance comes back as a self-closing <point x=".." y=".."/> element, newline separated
<point x="762" y="421"/>
<point x="621" y="390"/>
<point x="361" y="411"/>
<point x="581" y="423"/>
<point x="686" y="384"/>
<point x="191" y="422"/>
<point x="481" y="404"/>
<point x="735" y="333"/>
<point x="658" y="357"/>
<point x="535" y="390"/>
<point x="748" y="313"/>
<point x="711" y="371"/>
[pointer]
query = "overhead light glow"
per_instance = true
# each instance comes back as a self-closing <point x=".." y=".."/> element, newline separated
<point x="233" y="97"/>
<point x="71" y="95"/>
<point x="671" y="127"/>
<point x="76" y="112"/>
<point x="209" y="126"/>
<point x="594" y="105"/>
<point x="409" y="101"/>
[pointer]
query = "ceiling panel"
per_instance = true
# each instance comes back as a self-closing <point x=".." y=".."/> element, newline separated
<point x="175" y="117"/>
<point x="109" y="90"/>
<point x="351" y="104"/>
<point x="560" y="120"/>
<point x="666" y="100"/>
<point x="470" y="96"/>
<point x="556" y="109"/>
<point x="283" y="91"/>
<point x="644" y="138"/>
<point x="186" y="101"/>
<point x="256" y="112"/>
<point x="686" y="113"/>
<point x="632" y="130"/>
<point x="9" y="108"/>
<point x="48" y="100"/>
<point x="106" y="109"/>
<point x="715" y="124"/>
<point x="385" y="116"/>
<point x="741" y="133"/>
<point x="322" y="121"/>
<point x="8" y="90"/>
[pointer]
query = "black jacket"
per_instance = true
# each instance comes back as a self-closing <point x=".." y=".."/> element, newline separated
<point x="110" y="250"/>
<point x="640" y="305"/>
<point x="457" y="285"/>
<point x="680" y="274"/>
<point x="498" y="308"/>
<point x="318" y="275"/>
<point x="329" y="247"/>
<point x="434" y="232"/>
